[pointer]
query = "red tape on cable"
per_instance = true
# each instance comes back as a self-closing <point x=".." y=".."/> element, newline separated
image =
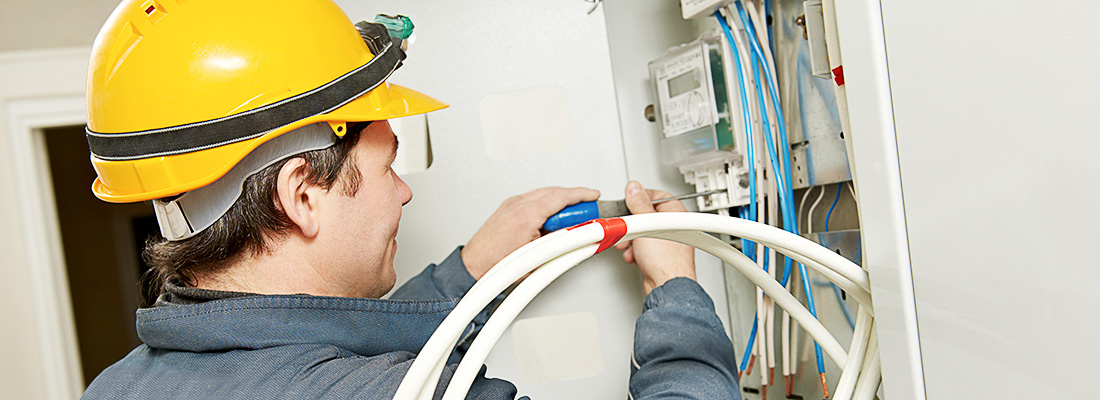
<point x="838" y="75"/>
<point x="613" y="230"/>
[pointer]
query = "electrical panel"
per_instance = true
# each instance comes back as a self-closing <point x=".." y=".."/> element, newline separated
<point x="784" y="95"/>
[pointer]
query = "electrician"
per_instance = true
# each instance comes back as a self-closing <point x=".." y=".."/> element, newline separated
<point x="258" y="131"/>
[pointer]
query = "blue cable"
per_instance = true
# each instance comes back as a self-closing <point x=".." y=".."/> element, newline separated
<point x="784" y="193"/>
<point x="835" y="200"/>
<point x="784" y="178"/>
<point x="771" y="28"/>
<point x="752" y="212"/>
<point x="785" y="190"/>
<point x="771" y="148"/>
<point x="752" y="335"/>
<point x="836" y="289"/>
<point x="747" y="245"/>
<point x="788" y="223"/>
<point x="748" y="347"/>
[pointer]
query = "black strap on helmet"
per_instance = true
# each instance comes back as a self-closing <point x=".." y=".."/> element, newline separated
<point x="254" y="123"/>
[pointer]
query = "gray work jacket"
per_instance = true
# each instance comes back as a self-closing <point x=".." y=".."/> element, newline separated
<point x="307" y="347"/>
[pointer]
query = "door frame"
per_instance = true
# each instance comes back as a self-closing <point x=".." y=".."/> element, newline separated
<point x="40" y="89"/>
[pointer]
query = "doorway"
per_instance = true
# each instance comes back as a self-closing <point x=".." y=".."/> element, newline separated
<point x="101" y="243"/>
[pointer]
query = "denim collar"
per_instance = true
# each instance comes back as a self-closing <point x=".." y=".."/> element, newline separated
<point x="364" y="326"/>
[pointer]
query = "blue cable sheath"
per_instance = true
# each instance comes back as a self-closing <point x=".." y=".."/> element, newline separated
<point x="784" y="194"/>
<point x="748" y="129"/>
<point x="835" y="200"/>
<point x="771" y="28"/>
<point x="752" y="334"/>
<point x="784" y="176"/>
<point x="747" y="244"/>
<point x="836" y="289"/>
<point x="773" y="89"/>
<point x="748" y="348"/>
<point x="775" y="166"/>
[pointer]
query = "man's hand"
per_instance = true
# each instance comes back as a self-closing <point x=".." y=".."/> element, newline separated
<point x="660" y="260"/>
<point x="517" y="222"/>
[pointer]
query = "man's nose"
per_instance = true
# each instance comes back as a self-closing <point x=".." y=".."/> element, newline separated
<point x="403" y="189"/>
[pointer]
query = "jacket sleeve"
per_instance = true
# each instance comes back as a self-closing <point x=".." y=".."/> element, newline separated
<point x="680" y="348"/>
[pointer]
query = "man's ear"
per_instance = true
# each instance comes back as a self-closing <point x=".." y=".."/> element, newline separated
<point x="299" y="198"/>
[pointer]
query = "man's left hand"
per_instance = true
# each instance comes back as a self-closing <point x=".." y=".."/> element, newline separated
<point x="517" y="222"/>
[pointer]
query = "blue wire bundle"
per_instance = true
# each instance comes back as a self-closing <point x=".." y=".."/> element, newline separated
<point x="783" y="178"/>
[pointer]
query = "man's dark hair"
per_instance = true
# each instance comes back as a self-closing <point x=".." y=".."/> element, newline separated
<point x="252" y="224"/>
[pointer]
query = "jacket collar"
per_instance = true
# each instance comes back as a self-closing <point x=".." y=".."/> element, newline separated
<point x="364" y="326"/>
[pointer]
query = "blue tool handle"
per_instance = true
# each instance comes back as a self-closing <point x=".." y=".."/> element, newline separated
<point x="572" y="215"/>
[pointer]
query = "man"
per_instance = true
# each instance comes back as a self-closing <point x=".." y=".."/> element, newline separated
<point x="269" y="172"/>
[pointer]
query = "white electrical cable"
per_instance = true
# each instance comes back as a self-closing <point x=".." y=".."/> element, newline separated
<point x="416" y="382"/>
<point x="794" y="331"/>
<point x="810" y="215"/>
<point x="758" y="351"/>
<point x="525" y="292"/>
<point x="802" y="204"/>
<point x="852" y="190"/>
<point x="871" y="376"/>
<point x="742" y="263"/>
<point x="732" y="93"/>
<point x="856" y="352"/>
<point x="773" y="218"/>
<point x="506" y="313"/>
<point x="790" y="333"/>
<point x="420" y="380"/>
<point x="785" y="341"/>
<point x="750" y="87"/>
<point x="760" y="24"/>
<point x="857" y="290"/>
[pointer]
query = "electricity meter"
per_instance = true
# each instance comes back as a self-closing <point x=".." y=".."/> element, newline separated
<point x="697" y="127"/>
<point x="692" y="101"/>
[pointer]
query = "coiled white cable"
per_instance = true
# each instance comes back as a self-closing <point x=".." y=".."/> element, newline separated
<point x="871" y="376"/>
<point x="505" y="314"/>
<point x="856" y="353"/>
<point x="420" y="381"/>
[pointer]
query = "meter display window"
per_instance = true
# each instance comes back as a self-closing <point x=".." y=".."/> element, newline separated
<point x="683" y="83"/>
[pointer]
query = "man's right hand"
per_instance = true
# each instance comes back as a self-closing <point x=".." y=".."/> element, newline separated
<point x="516" y="223"/>
<point x="659" y="260"/>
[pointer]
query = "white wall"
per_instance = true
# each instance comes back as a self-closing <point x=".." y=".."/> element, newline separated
<point x="26" y="25"/>
<point x="995" y="106"/>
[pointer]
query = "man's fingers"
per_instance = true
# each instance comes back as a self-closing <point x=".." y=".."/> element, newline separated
<point x="672" y="205"/>
<point x="579" y="194"/>
<point x="658" y="194"/>
<point x="552" y="199"/>
<point x="637" y="199"/>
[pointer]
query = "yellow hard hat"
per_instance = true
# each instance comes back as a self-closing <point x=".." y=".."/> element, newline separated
<point x="180" y="91"/>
